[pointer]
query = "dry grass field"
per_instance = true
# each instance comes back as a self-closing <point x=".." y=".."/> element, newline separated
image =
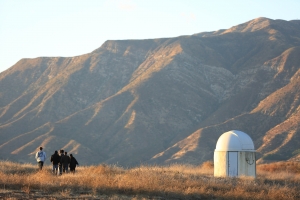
<point x="24" y="181"/>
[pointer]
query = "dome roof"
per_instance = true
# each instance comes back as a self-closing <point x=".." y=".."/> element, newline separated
<point x="234" y="141"/>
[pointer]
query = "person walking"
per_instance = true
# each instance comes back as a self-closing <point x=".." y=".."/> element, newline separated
<point x="40" y="157"/>
<point x="65" y="160"/>
<point x="73" y="163"/>
<point x="55" y="159"/>
<point x="60" y="163"/>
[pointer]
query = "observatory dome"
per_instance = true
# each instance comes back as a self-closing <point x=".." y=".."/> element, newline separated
<point x="234" y="141"/>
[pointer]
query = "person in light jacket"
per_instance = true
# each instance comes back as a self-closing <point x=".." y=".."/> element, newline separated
<point x="40" y="157"/>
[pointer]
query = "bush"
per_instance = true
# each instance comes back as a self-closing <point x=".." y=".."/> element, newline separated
<point x="296" y="152"/>
<point x="207" y="165"/>
<point x="274" y="157"/>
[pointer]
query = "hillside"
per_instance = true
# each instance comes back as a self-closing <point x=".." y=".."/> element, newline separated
<point x="160" y="100"/>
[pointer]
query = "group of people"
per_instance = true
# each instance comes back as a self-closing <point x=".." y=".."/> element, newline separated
<point x="61" y="162"/>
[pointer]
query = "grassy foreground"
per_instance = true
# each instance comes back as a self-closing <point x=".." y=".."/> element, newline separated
<point x="23" y="181"/>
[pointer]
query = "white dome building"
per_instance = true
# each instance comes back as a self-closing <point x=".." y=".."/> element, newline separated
<point x="234" y="155"/>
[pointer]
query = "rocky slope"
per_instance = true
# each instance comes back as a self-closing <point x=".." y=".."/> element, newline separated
<point x="158" y="101"/>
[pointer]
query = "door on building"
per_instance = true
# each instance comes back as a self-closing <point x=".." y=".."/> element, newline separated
<point x="232" y="163"/>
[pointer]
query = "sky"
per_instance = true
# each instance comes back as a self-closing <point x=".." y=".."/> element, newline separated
<point x="51" y="28"/>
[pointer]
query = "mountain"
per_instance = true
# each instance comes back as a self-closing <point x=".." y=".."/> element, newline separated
<point x="158" y="101"/>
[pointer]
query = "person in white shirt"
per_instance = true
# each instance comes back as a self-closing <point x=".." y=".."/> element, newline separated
<point x="40" y="157"/>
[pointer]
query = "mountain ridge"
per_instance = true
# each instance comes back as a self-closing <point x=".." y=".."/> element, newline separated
<point x="158" y="100"/>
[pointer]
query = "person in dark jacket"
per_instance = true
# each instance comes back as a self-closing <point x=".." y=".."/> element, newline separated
<point x="73" y="163"/>
<point x="65" y="160"/>
<point x="55" y="159"/>
<point x="60" y="163"/>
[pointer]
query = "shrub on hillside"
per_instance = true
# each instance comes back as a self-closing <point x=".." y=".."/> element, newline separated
<point x="291" y="167"/>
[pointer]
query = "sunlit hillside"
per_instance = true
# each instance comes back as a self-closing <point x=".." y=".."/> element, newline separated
<point x="24" y="181"/>
<point x="159" y="101"/>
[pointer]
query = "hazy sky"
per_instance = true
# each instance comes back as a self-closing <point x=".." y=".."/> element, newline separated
<point x="35" y="28"/>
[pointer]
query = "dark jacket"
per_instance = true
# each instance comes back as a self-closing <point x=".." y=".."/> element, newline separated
<point x="60" y="157"/>
<point x="73" y="162"/>
<point x="55" y="159"/>
<point x="65" y="160"/>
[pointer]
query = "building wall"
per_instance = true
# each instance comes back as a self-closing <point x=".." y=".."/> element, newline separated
<point x="247" y="164"/>
<point x="220" y="163"/>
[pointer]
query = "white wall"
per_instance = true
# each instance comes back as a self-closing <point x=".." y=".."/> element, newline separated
<point x="220" y="163"/>
<point x="247" y="167"/>
<point x="246" y="163"/>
